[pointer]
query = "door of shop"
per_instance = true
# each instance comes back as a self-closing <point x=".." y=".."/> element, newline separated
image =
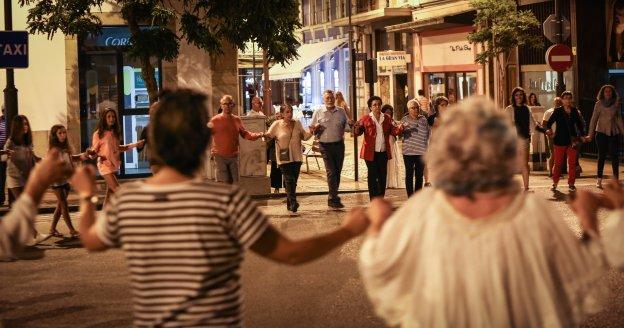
<point x="110" y="79"/>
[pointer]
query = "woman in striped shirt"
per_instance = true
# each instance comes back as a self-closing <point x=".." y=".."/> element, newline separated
<point x="183" y="237"/>
<point x="415" y="140"/>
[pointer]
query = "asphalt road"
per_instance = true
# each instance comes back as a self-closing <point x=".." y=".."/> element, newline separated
<point x="61" y="285"/>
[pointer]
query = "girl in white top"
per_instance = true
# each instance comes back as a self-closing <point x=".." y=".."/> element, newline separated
<point x="475" y="251"/>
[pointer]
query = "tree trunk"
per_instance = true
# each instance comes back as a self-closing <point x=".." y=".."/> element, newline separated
<point x="147" y="69"/>
<point x="268" y="104"/>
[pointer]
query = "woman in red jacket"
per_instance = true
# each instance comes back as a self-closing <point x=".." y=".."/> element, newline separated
<point x="377" y="128"/>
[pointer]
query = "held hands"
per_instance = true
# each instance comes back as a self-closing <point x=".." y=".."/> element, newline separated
<point x="379" y="211"/>
<point x="51" y="169"/>
<point x="549" y="133"/>
<point x="586" y="204"/>
<point x="355" y="222"/>
<point x="140" y="143"/>
<point x="83" y="180"/>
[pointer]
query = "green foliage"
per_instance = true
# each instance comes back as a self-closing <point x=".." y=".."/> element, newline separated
<point x="500" y="28"/>
<point x="204" y="23"/>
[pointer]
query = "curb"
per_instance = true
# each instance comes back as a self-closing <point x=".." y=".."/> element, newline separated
<point x="74" y="208"/>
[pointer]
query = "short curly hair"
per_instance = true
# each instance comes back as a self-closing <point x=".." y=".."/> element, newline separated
<point x="474" y="150"/>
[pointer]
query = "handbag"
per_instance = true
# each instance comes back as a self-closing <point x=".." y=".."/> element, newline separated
<point x="284" y="154"/>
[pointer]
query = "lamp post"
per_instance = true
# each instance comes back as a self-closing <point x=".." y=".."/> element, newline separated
<point x="353" y="91"/>
<point x="560" y="87"/>
<point x="10" y="92"/>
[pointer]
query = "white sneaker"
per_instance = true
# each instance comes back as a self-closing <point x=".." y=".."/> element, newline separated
<point x="39" y="238"/>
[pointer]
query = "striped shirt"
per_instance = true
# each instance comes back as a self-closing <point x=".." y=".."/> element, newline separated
<point x="415" y="135"/>
<point x="184" y="245"/>
<point x="3" y="135"/>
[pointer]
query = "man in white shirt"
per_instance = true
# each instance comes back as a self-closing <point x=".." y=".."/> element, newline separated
<point x="256" y="107"/>
<point x="328" y="125"/>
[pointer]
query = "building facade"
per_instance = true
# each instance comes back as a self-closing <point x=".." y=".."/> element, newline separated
<point x="71" y="80"/>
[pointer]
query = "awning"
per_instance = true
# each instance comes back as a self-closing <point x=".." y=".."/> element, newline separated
<point x="372" y="16"/>
<point x="308" y="54"/>
<point x="435" y="18"/>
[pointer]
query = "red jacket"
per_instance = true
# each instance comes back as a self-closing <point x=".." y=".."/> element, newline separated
<point x="368" y="127"/>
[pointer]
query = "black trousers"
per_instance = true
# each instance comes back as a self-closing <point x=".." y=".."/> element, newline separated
<point x="333" y="157"/>
<point x="414" y="169"/>
<point x="290" y="171"/>
<point x="276" y="175"/>
<point x="3" y="168"/>
<point x="608" y="145"/>
<point x="377" y="174"/>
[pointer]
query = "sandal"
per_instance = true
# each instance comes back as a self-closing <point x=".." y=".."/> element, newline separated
<point x="55" y="233"/>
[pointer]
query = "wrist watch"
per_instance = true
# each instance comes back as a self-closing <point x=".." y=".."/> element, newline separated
<point x="93" y="199"/>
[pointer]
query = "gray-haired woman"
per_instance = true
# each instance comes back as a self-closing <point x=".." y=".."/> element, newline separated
<point x="476" y="251"/>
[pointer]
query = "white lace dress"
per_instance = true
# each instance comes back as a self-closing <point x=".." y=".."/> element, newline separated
<point x="392" y="179"/>
<point x="430" y="266"/>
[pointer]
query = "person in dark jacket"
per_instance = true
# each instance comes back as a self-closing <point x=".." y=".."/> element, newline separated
<point x="566" y="139"/>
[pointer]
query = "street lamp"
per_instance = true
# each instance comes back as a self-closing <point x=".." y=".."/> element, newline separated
<point x="10" y="92"/>
<point x="353" y="90"/>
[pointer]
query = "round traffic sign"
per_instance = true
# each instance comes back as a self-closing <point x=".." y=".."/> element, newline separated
<point x="559" y="57"/>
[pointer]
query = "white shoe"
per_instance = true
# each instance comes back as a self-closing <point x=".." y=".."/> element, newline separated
<point x="39" y="238"/>
<point x="553" y="187"/>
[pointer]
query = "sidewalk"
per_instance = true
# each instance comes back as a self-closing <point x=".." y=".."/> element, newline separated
<point x="312" y="183"/>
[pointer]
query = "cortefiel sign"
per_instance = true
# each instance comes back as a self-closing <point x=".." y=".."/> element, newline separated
<point x="14" y="49"/>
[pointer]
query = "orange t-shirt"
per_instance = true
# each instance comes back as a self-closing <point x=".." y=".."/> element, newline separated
<point x="225" y="130"/>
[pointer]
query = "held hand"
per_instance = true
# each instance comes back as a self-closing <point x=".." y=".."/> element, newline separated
<point x="140" y="143"/>
<point x="355" y="222"/>
<point x="615" y="194"/>
<point x="586" y="204"/>
<point x="83" y="180"/>
<point x="91" y="153"/>
<point x="9" y="153"/>
<point x="379" y="211"/>
<point x="549" y="133"/>
<point x="51" y="169"/>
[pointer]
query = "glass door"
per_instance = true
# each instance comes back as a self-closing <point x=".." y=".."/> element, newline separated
<point x="135" y="114"/>
<point x="99" y="91"/>
<point x="110" y="79"/>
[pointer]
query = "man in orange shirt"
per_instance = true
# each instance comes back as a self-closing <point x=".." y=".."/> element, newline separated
<point x="225" y="129"/>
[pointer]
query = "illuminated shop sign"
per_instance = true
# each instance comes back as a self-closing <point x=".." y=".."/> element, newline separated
<point x="111" y="36"/>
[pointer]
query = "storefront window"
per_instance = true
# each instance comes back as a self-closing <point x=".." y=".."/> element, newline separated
<point x="455" y="86"/>
<point x="336" y="81"/>
<point x="544" y="85"/>
<point x="109" y="78"/>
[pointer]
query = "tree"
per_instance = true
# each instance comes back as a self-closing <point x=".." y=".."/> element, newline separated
<point x="500" y="28"/>
<point x="155" y="34"/>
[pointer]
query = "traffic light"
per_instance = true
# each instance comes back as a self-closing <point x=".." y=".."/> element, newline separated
<point x="370" y="71"/>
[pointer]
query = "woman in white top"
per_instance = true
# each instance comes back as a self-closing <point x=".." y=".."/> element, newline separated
<point x="288" y="134"/>
<point x="392" y="177"/>
<point x="475" y="251"/>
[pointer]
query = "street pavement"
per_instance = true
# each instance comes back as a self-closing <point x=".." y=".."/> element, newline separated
<point x="59" y="284"/>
